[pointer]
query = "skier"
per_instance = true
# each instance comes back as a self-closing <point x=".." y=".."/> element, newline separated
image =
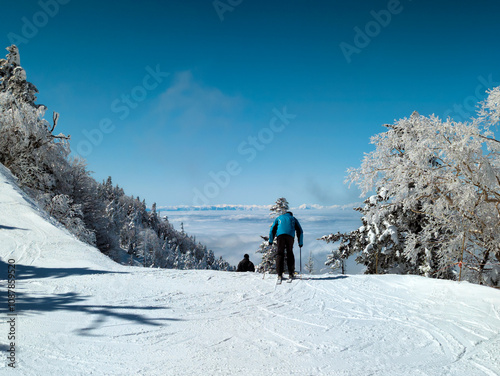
<point x="246" y="265"/>
<point x="285" y="227"/>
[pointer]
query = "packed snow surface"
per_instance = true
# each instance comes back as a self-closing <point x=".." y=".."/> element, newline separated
<point x="78" y="313"/>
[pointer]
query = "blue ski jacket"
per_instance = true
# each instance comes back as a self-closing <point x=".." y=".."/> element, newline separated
<point x="286" y="224"/>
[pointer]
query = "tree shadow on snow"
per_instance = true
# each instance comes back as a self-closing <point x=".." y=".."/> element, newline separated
<point x="2" y="227"/>
<point x="322" y="278"/>
<point x="31" y="304"/>
<point x="27" y="305"/>
<point x="24" y="272"/>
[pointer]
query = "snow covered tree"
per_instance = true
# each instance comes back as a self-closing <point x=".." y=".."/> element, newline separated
<point x="379" y="243"/>
<point x="13" y="79"/>
<point x="448" y="173"/>
<point x="27" y="146"/>
<point x="62" y="208"/>
<point x="221" y="264"/>
<point x="335" y="261"/>
<point x="149" y="248"/>
<point x="309" y="266"/>
<point x="189" y="260"/>
<point x="268" y="262"/>
<point x="281" y="206"/>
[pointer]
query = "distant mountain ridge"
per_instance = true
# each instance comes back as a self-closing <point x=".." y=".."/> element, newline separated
<point x="251" y="207"/>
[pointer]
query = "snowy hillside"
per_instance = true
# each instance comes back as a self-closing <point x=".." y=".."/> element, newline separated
<point x="78" y="313"/>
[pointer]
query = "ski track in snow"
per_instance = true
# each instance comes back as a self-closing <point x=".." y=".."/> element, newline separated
<point x="81" y="314"/>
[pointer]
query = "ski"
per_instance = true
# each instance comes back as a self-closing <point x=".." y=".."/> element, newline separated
<point x="288" y="280"/>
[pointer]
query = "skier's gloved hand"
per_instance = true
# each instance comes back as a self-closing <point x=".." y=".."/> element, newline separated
<point x="270" y="244"/>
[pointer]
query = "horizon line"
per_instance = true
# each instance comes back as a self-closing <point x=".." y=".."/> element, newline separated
<point x="250" y="207"/>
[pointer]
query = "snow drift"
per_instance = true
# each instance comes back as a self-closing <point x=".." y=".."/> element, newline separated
<point x="79" y="313"/>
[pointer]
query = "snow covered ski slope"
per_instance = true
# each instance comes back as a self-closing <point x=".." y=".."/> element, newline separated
<point x="78" y="313"/>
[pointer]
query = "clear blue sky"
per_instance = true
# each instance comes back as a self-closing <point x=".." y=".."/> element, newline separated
<point x="159" y="94"/>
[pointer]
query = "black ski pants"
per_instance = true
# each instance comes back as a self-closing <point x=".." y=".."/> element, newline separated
<point x="285" y="242"/>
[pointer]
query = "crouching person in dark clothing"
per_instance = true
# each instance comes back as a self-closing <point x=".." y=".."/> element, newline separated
<point x="246" y="265"/>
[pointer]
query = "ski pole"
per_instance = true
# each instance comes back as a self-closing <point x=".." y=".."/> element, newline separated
<point x="300" y="269"/>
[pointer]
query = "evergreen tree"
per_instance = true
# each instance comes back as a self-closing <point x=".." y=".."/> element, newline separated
<point x="310" y="263"/>
<point x="281" y="206"/>
<point x="268" y="262"/>
<point x="27" y="146"/>
<point x="380" y="242"/>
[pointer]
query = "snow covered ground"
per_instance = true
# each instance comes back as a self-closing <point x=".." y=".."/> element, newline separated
<point x="78" y="313"/>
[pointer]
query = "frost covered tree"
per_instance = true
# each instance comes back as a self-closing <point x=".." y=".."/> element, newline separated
<point x="70" y="215"/>
<point x="28" y="146"/>
<point x="268" y="261"/>
<point x="281" y="206"/>
<point x="448" y="173"/>
<point x="335" y="260"/>
<point x="309" y="266"/>
<point x="13" y="79"/>
<point x="379" y="243"/>
<point x="221" y="264"/>
<point x="149" y="248"/>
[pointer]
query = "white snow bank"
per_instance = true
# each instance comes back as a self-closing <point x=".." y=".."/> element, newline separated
<point x="78" y="313"/>
<point x="31" y="237"/>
